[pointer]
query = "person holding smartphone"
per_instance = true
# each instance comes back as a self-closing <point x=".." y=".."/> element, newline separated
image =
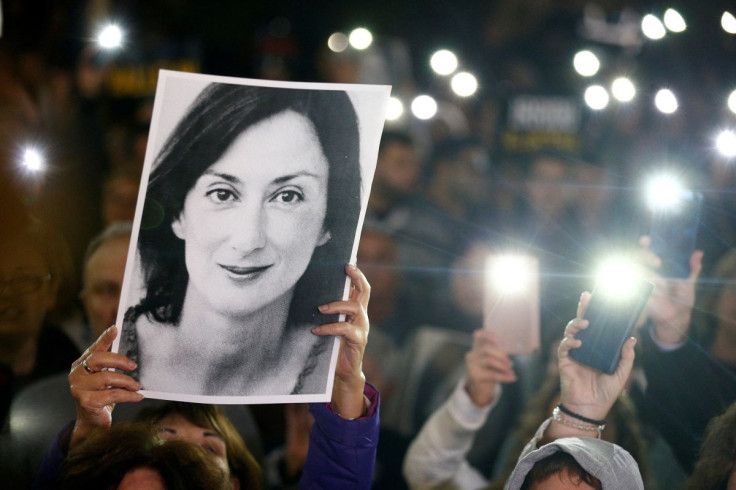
<point x="689" y="352"/>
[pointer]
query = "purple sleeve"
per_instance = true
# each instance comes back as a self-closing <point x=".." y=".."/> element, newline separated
<point x="342" y="453"/>
<point x="51" y="464"/>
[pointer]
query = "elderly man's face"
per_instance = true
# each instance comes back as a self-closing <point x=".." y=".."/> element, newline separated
<point x="103" y="281"/>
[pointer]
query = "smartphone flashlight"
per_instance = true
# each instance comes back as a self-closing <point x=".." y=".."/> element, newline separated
<point x="509" y="274"/>
<point x="110" y="37"/>
<point x="617" y="277"/>
<point x="664" y="192"/>
<point x="33" y="159"/>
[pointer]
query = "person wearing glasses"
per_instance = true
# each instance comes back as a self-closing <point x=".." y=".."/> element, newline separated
<point x="33" y="263"/>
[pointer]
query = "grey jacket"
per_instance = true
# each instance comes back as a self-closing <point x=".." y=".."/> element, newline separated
<point x="611" y="464"/>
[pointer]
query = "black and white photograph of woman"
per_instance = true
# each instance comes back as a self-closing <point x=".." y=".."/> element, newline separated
<point x="253" y="200"/>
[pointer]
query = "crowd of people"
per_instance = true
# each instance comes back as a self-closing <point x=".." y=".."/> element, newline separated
<point x="456" y="410"/>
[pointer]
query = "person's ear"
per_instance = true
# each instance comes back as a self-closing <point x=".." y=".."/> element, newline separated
<point x="178" y="226"/>
<point x="326" y="236"/>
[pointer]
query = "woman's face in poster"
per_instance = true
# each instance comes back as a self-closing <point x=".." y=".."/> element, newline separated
<point x="253" y="219"/>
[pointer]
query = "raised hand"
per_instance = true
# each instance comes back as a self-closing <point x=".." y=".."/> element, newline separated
<point x="486" y="365"/>
<point x="96" y="389"/>
<point x="347" y="391"/>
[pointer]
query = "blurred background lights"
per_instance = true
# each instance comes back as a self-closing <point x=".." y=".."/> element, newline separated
<point x="726" y="143"/>
<point x="464" y="84"/>
<point x="674" y="21"/>
<point x="666" y="101"/>
<point x="586" y="63"/>
<point x="360" y="38"/>
<point x="616" y="277"/>
<point x="732" y="101"/>
<point x="623" y="89"/>
<point x="395" y="109"/>
<point x="443" y="62"/>
<point x="596" y="97"/>
<point x="110" y="37"/>
<point x="728" y="22"/>
<point x="663" y="191"/>
<point x="32" y="159"/>
<point x="338" y="42"/>
<point x="424" y="107"/>
<point x="652" y="27"/>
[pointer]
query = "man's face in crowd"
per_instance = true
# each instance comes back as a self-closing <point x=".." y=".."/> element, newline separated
<point x="103" y="281"/>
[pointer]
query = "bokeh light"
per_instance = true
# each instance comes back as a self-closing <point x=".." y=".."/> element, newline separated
<point x="726" y="143"/>
<point x="33" y="159"/>
<point x="666" y="101"/>
<point x="338" y="42"/>
<point x="596" y="97"/>
<point x="623" y="89"/>
<point x="652" y="27"/>
<point x="663" y="191"/>
<point x="732" y="102"/>
<point x="424" y="107"/>
<point x="509" y="274"/>
<point x="395" y="109"/>
<point x="586" y="63"/>
<point x="110" y="37"/>
<point x="616" y="277"/>
<point x="443" y="62"/>
<point x="464" y="84"/>
<point x="360" y="38"/>
<point x="674" y="21"/>
<point x="728" y="22"/>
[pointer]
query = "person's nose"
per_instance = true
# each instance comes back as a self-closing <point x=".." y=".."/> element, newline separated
<point x="249" y="231"/>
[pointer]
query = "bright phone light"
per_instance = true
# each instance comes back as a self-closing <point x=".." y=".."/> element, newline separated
<point x="596" y="97"/>
<point x="394" y="110"/>
<point x="666" y="101"/>
<point x="424" y="107"/>
<point x="732" y="102"/>
<point x="652" y="27"/>
<point x="33" y="160"/>
<point x="509" y="274"/>
<point x="674" y="21"/>
<point x="726" y="143"/>
<point x="338" y="42"/>
<point x="110" y="37"/>
<point x="623" y="89"/>
<point x="464" y="84"/>
<point x="664" y="192"/>
<point x="360" y="38"/>
<point x="586" y="63"/>
<point x="616" y="277"/>
<point x="728" y="22"/>
<point x="443" y="62"/>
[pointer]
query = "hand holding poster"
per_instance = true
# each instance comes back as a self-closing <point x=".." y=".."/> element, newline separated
<point x="248" y="212"/>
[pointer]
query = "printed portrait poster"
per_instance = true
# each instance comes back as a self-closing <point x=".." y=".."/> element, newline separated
<point x="251" y="201"/>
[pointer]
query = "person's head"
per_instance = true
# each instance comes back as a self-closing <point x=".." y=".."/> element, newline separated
<point x="560" y="471"/>
<point x="397" y="167"/>
<point x="102" y="275"/>
<point x="134" y="455"/>
<point x="35" y="261"/>
<point x="716" y="465"/>
<point x="119" y="196"/>
<point x="718" y="298"/>
<point x="254" y="196"/>
<point x="208" y="427"/>
<point x="459" y="171"/>
<point x="547" y="179"/>
<point x="379" y="260"/>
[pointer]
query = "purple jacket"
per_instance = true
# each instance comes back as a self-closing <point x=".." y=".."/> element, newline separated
<point x="342" y="453"/>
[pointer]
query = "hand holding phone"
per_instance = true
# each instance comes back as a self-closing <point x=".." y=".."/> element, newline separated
<point x="611" y="320"/>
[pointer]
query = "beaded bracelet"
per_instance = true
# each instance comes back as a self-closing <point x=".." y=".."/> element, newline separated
<point x="558" y="417"/>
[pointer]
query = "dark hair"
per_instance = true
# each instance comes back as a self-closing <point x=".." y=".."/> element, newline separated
<point x="559" y="463"/>
<point x="717" y="454"/>
<point x="108" y="454"/>
<point x="242" y="464"/>
<point x="710" y="289"/>
<point x="217" y="117"/>
<point x="390" y="137"/>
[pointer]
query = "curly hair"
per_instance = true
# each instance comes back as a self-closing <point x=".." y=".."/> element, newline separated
<point x="717" y="454"/>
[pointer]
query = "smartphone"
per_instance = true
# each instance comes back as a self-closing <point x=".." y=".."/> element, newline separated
<point x="673" y="234"/>
<point x="611" y="320"/>
<point x="511" y="302"/>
